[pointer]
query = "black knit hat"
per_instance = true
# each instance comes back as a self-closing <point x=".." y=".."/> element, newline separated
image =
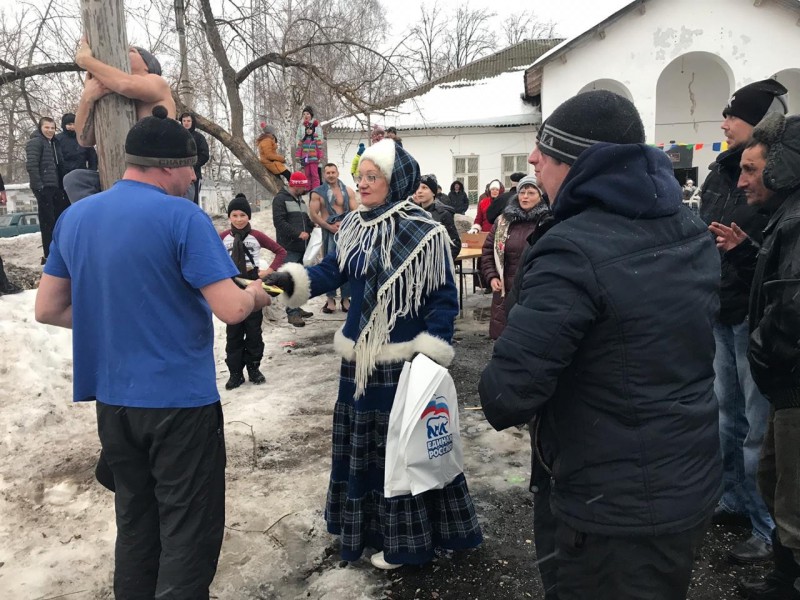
<point x="585" y="120"/>
<point x="66" y="119"/>
<point x="160" y="142"/>
<point x="240" y="203"/>
<point x="430" y="181"/>
<point x="517" y="177"/>
<point x="754" y="100"/>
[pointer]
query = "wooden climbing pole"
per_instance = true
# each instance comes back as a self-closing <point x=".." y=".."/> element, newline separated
<point x="104" y="25"/>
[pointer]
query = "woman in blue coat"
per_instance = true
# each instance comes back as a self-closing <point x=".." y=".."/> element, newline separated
<point x="404" y="302"/>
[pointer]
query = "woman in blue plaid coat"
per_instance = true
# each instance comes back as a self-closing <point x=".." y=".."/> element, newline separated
<point x="404" y="302"/>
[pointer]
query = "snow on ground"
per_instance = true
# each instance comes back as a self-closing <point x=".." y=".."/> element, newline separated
<point x="58" y="527"/>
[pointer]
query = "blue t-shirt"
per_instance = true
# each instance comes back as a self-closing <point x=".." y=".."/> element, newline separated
<point x="142" y="331"/>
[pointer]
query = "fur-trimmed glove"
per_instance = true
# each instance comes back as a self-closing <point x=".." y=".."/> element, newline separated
<point x="282" y="280"/>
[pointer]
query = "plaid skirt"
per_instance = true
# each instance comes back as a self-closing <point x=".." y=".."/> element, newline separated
<point x="407" y="528"/>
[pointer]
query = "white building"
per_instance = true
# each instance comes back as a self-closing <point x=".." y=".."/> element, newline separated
<point x="472" y="125"/>
<point x="679" y="61"/>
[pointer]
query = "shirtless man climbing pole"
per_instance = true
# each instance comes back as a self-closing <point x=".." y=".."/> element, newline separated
<point x="144" y="85"/>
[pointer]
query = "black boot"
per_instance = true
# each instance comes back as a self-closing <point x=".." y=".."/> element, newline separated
<point x="236" y="379"/>
<point x="254" y="374"/>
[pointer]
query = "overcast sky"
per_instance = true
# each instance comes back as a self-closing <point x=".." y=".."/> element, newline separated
<point x="571" y="16"/>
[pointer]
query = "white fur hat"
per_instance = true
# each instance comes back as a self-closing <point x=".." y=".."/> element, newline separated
<point x="382" y="155"/>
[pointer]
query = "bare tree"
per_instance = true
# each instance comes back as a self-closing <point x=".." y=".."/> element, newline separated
<point x="525" y="25"/>
<point x="471" y="36"/>
<point x="426" y="43"/>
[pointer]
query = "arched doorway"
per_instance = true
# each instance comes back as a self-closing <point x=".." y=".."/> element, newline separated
<point x="791" y="79"/>
<point x="691" y="92"/>
<point x="610" y="85"/>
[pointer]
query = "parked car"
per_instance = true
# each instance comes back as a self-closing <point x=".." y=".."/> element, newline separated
<point x="17" y="223"/>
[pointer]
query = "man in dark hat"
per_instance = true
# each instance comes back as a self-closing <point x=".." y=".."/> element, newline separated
<point x="133" y="272"/>
<point x="770" y="180"/>
<point x="144" y="85"/>
<point x="610" y="348"/>
<point x="743" y="410"/>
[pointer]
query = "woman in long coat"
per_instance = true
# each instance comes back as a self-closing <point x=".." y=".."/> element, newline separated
<point x="504" y="246"/>
<point x="404" y="302"/>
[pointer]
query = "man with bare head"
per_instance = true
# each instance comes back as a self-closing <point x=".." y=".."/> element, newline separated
<point x="329" y="204"/>
<point x="144" y="85"/>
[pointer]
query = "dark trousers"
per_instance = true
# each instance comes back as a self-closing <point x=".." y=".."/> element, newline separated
<point x="779" y="484"/>
<point x="624" y="568"/>
<point x="169" y="472"/>
<point x="245" y="344"/>
<point x="51" y="202"/>
<point x="293" y="256"/>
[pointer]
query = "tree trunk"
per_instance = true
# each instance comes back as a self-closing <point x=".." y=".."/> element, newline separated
<point x="104" y="24"/>
<point x="185" y="87"/>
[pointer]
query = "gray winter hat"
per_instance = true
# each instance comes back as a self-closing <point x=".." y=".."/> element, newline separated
<point x="150" y="61"/>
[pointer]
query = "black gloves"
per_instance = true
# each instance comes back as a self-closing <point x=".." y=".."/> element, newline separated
<point x="282" y="280"/>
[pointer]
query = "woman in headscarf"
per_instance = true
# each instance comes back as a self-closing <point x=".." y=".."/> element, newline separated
<point x="506" y="243"/>
<point x="404" y="302"/>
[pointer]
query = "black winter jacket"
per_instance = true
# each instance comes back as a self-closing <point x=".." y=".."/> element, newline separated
<point x="774" y="352"/>
<point x="202" y="151"/>
<point x="442" y="213"/>
<point x="459" y="201"/>
<point x="73" y="155"/>
<point x="611" y="345"/>
<point x="723" y="202"/>
<point x="43" y="159"/>
<point x="290" y="217"/>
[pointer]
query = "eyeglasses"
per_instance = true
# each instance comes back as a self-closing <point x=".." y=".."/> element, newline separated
<point x="370" y="179"/>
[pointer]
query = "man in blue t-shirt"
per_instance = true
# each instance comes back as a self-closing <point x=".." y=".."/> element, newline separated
<point x="136" y="272"/>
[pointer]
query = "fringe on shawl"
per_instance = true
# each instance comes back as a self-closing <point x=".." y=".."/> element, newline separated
<point x="422" y="272"/>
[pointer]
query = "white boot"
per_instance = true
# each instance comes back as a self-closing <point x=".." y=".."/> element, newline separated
<point x="379" y="562"/>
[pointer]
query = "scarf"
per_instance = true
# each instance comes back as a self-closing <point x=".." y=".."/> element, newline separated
<point x="239" y="251"/>
<point x="512" y="213"/>
<point x="404" y="256"/>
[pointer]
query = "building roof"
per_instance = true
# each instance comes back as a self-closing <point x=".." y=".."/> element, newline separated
<point x="486" y="92"/>
<point x="533" y="75"/>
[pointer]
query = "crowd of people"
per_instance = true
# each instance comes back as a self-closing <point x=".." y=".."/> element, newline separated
<point x="653" y="353"/>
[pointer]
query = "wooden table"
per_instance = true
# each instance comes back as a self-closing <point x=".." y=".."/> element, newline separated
<point x="465" y="254"/>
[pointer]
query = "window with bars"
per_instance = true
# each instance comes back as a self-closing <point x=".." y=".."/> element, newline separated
<point x="513" y="163"/>
<point x="465" y="169"/>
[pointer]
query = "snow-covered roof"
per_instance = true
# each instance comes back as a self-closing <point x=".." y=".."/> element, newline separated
<point x="490" y="102"/>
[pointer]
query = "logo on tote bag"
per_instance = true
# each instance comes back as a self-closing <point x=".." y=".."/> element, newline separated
<point x="437" y="421"/>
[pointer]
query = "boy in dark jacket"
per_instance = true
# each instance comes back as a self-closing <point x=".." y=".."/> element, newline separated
<point x="73" y="155"/>
<point x="610" y="346"/>
<point x="43" y="162"/>
<point x="187" y="120"/>
<point x="245" y="346"/>
<point x="425" y="197"/>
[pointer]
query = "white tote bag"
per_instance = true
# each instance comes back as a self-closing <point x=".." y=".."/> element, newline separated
<point x="313" y="253"/>
<point x="423" y="450"/>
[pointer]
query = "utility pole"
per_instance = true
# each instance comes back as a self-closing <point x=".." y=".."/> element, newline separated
<point x="185" y="87"/>
<point x="104" y="26"/>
